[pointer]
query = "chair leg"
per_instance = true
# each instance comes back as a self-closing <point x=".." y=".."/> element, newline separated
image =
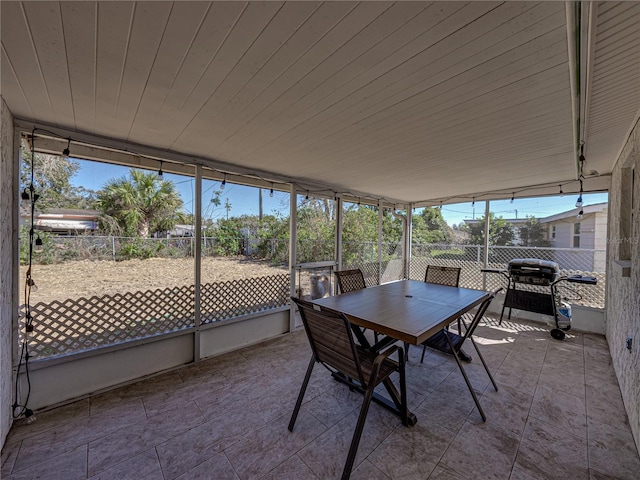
<point x="484" y="363"/>
<point x="303" y="389"/>
<point x="406" y="351"/>
<point x="424" y="349"/>
<point x="355" y="440"/>
<point x="466" y="379"/>
<point x="404" y="409"/>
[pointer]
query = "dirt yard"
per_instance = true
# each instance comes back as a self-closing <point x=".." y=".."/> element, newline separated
<point x="88" y="278"/>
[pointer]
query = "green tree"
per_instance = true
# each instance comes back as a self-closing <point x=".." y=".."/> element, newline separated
<point x="360" y="224"/>
<point x="228" y="236"/>
<point x="139" y="205"/>
<point x="533" y="234"/>
<point x="316" y="231"/>
<point x="274" y="237"/>
<point x="430" y="227"/>
<point x="52" y="181"/>
<point x="500" y="231"/>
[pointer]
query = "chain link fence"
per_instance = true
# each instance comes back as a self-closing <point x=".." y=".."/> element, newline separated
<point x="60" y="249"/>
<point x="470" y="258"/>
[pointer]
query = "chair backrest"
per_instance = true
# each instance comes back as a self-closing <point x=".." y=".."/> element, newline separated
<point x="331" y="340"/>
<point x="350" y="280"/>
<point x="449" y="276"/>
<point x="479" y="314"/>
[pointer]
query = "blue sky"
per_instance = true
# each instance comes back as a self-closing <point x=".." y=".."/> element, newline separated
<point x="244" y="200"/>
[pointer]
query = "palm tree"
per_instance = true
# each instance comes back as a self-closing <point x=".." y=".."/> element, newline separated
<point x="140" y="204"/>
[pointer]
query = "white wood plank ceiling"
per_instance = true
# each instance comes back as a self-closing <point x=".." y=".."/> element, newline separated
<point x="409" y="101"/>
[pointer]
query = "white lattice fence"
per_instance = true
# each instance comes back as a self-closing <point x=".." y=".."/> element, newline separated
<point x="225" y="300"/>
<point x="74" y="325"/>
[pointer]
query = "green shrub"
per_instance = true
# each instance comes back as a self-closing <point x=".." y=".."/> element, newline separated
<point x="137" y="249"/>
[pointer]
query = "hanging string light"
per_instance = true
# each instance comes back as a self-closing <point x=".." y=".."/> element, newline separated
<point x="224" y="182"/>
<point x="66" y="152"/>
<point x="581" y="178"/>
<point x="512" y="197"/>
<point x="160" y="174"/>
<point x="38" y="244"/>
<point x="561" y="192"/>
<point x="35" y="244"/>
<point x="271" y="191"/>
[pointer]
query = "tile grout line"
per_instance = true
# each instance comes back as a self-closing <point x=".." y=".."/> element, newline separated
<point x="529" y="412"/>
<point x="586" y="408"/>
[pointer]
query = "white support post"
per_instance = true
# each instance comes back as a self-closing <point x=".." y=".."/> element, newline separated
<point x="293" y="240"/>
<point x="485" y="262"/>
<point x="339" y="219"/>
<point x="15" y="247"/>
<point x="407" y="241"/>
<point x="380" y="215"/>
<point x="197" y="257"/>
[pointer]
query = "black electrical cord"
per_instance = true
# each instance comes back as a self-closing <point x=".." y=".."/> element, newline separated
<point x="28" y="284"/>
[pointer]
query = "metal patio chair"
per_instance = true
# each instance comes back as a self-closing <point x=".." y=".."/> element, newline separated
<point x="449" y="276"/>
<point x="350" y="281"/>
<point x="447" y="340"/>
<point x="333" y="346"/>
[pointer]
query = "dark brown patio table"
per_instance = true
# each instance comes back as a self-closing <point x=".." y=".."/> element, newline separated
<point x="410" y="311"/>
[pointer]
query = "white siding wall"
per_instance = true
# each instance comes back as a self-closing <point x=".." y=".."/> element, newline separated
<point x="600" y="243"/>
<point x="564" y="234"/>
<point x="587" y="231"/>
<point x="600" y="240"/>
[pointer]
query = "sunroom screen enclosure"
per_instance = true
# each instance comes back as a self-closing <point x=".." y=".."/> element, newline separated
<point x="391" y="105"/>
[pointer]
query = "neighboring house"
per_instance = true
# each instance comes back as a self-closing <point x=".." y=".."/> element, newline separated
<point x="181" y="230"/>
<point x="64" y="221"/>
<point x="566" y="231"/>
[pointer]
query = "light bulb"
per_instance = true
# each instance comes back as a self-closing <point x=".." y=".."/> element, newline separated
<point x="25" y="197"/>
<point x="66" y="151"/>
<point x="29" y="415"/>
<point x="38" y="245"/>
<point x="32" y="285"/>
<point x="579" y="202"/>
<point x="580" y="213"/>
<point x="271" y="193"/>
<point x="224" y="182"/>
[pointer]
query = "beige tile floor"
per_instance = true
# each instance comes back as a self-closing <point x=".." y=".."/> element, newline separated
<point x="558" y="414"/>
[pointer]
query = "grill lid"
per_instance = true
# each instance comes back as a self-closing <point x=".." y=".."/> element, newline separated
<point x="533" y="265"/>
<point x="533" y="271"/>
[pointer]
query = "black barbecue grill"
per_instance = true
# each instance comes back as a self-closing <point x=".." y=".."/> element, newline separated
<point x="533" y="271"/>
<point x="538" y="273"/>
